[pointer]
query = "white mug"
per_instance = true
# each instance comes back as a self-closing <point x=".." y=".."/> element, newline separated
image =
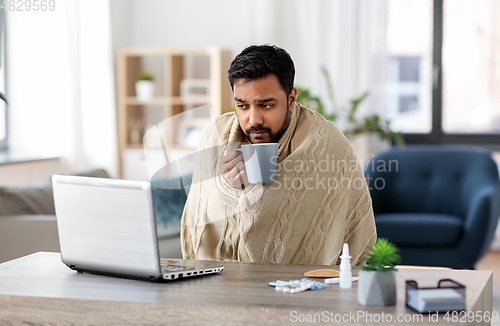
<point x="260" y="161"/>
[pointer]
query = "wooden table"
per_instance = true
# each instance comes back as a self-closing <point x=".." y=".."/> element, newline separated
<point x="40" y="290"/>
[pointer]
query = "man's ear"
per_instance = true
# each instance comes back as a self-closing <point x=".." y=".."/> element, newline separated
<point x="291" y="98"/>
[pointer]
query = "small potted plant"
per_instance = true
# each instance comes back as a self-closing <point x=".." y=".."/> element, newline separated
<point x="377" y="279"/>
<point x="145" y="87"/>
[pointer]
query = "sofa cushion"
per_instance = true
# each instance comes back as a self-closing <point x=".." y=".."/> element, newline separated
<point x="419" y="229"/>
<point x="25" y="234"/>
<point x="37" y="199"/>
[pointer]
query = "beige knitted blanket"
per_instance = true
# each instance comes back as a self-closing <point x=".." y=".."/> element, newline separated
<point x="318" y="201"/>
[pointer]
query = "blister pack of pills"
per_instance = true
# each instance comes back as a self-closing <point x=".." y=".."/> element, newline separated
<point x="295" y="286"/>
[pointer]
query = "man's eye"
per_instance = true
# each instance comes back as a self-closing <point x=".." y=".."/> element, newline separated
<point x="241" y="106"/>
<point x="267" y="106"/>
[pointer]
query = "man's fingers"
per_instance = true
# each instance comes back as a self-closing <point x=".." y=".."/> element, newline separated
<point x="235" y="170"/>
<point x="231" y="156"/>
<point x="232" y="167"/>
<point x="237" y="160"/>
<point x="241" y="175"/>
<point x="228" y="166"/>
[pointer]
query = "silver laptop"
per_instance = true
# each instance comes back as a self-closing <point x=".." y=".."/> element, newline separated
<point x="108" y="227"/>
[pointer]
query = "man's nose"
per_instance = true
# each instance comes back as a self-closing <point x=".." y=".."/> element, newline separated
<point x="255" y="117"/>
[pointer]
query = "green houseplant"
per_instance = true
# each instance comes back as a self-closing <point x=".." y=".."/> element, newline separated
<point x="381" y="257"/>
<point x="377" y="279"/>
<point x="144" y="87"/>
<point x="354" y="125"/>
<point x="146" y="76"/>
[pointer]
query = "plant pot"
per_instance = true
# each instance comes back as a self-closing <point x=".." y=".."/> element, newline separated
<point x="144" y="89"/>
<point x="377" y="288"/>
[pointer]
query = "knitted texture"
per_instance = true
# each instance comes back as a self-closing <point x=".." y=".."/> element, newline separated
<point x="318" y="201"/>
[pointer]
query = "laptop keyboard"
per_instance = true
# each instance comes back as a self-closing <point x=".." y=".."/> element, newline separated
<point x="168" y="268"/>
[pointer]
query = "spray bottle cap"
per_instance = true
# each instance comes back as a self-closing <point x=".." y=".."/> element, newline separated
<point x="345" y="252"/>
<point x="345" y="259"/>
<point x="345" y="275"/>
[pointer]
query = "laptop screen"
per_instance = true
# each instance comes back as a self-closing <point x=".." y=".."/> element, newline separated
<point x="107" y="225"/>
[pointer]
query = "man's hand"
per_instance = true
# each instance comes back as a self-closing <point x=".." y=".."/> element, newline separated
<point x="232" y="168"/>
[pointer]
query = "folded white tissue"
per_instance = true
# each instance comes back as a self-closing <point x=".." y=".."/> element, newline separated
<point x="431" y="300"/>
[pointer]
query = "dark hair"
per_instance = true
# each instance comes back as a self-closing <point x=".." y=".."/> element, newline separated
<point x="258" y="61"/>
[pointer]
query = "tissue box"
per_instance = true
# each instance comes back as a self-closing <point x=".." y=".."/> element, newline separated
<point x="447" y="296"/>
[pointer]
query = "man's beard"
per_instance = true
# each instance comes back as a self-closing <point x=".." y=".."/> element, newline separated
<point x="273" y="137"/>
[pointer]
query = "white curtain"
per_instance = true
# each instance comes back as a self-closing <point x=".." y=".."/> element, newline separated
<point x="345" y="36"/>
<point x="92" y="58"/>
<point x="60" y="83"/>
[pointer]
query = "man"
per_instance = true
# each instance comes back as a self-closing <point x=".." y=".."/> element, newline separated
<point x="319" y="198"/>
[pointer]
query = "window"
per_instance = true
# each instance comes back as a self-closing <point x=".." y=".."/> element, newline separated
<point x="471" y="63"/>
<point x="409" y="65"/>
<point x="3" y="106"/>
<point x="443" y="71"/>
<point x="403" y="77"/>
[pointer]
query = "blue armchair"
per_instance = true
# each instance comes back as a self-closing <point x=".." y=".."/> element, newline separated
<point x="439" y="205"/>
<point x="169" y="198"/>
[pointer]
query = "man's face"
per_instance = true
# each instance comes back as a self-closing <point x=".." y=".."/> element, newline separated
<point x="263" y="108"/>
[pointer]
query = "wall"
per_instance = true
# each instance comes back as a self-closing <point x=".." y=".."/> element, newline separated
<point x="52" y="114"/>
<point x="315" y="33"/>
<point x="181" y="23"/>
<point x="336" y="34"/>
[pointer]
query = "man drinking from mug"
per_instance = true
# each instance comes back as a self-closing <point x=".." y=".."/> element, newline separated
<point x="319" y="198"/>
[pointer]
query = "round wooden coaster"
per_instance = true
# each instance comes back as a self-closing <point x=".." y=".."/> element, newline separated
<point x="322" y="273"/>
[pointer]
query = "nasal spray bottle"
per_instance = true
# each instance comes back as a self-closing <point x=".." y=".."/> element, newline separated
<point x="345" y="275"/>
